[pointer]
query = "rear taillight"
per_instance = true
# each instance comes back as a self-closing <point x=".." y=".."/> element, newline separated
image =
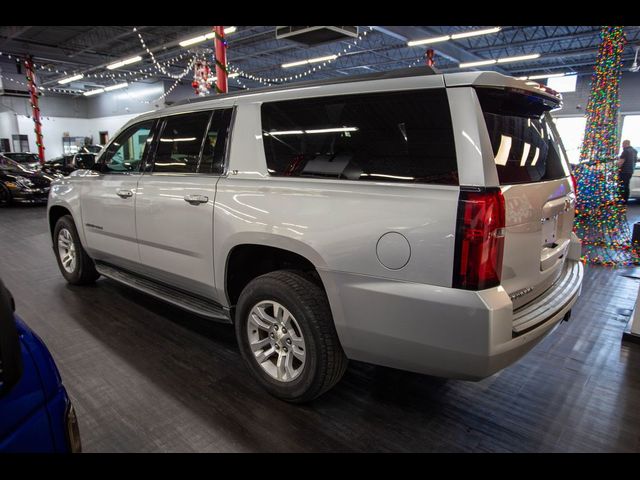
<point x="479" y="238"/>
<point x="575" y="185"/>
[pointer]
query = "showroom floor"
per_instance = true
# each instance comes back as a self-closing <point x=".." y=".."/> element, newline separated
<point x="146" y="377"/>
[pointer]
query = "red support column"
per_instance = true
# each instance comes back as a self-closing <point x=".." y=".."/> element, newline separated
<point x="33" y="91"/>
<point x="221" y="60"/>
<point x="429" y="56"/>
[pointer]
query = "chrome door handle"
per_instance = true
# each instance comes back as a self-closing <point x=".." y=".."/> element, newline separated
<point x="125" y="193"/>
<point x="196" y="199"/>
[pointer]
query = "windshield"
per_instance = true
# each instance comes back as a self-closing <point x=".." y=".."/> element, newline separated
<point x="525" y="144"/>
<point x="10" y="165"/>
<point x="24" y="157"/>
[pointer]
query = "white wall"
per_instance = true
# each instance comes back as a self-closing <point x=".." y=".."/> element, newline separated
<point x="53" y="129"/>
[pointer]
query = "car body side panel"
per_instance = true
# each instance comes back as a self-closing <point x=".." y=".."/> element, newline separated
<point x="65" y="192"/>
<point x="33" y="413"/>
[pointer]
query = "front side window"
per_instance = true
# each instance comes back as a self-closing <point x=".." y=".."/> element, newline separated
<point x="126" y="152"/>
<point x="389" y="137"/>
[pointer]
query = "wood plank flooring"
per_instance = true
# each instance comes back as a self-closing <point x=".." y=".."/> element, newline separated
<point x="145" y="377"/>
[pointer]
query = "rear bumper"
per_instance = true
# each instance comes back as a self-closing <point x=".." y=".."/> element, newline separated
<point x="441" y="331"/>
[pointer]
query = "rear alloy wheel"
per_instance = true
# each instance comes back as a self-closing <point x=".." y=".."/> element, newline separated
<point x="276" y="341"/>
<point x="287" y="337"/>
<point x="75" y="264"/>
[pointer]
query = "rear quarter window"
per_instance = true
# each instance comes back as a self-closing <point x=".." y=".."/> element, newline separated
<point x="389" y="137"/>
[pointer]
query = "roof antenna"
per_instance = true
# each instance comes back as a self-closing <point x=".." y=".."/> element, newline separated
<point x="635" y="67"/>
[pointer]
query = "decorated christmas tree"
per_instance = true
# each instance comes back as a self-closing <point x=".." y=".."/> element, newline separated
<point x="601" y="216"/>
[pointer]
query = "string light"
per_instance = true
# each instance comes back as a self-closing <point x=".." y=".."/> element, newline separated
<point x="288" y="78"/>
<point x="601" y="218"/>
<point x="175" y="84"/>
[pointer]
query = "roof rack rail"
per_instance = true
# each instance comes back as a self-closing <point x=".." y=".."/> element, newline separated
<point x="400" y="73"/>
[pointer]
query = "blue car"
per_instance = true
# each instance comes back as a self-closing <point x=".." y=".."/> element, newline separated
<point x="35" y="412"/>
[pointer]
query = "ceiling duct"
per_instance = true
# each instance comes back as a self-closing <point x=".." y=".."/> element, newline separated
<point x="316" y="35"/>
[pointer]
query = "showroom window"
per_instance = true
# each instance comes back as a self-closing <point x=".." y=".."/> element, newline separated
<point x="179" y="145"/>
<point x="571" y="130"/>
<point x="390" y="137"/>
<point x="127" y="151"/>
<point x="630" y="131"/>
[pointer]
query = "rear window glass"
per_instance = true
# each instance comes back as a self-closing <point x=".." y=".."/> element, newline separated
<point x="525" y="143"/>
<point x="390" y="137"/>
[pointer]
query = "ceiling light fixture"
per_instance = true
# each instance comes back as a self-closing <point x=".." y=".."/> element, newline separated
<point x="477" y="64"/>
<point x="93" y="92"/>
<point x="71" y="79"/>
<point x="425" y="41"/>
<point x="475" y="33"/>
<point x="311" y="60"/>
<point x="116" y="87"/>
<point x="546" y="75"/>
<point x="122" y="63"/>
<point x="455" y="36"/>
<point x="205" y="37"/>
<point x="519" y="58"/>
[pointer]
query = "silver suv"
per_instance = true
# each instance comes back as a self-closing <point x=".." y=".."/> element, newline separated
<point x="415" y="220"/>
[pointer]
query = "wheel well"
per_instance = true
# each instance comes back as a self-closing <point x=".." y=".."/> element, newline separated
<point x="54" y="215"/>
<point x="246" y="262"/>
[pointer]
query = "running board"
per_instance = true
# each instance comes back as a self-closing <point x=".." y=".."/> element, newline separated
<point x="180" y="299"/>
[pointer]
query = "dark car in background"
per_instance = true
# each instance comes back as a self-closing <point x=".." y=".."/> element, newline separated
<point x="21" y="184"/>
<point x="68" y="163"/>
<point x="36" y="415"/>
<point x="91" y="148"/>
<point x="26" y="159"/>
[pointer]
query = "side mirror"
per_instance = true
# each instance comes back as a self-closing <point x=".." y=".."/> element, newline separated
<point x="10" y="351"/>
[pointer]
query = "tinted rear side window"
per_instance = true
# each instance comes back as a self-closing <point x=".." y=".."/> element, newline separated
<point x="524" y="143"/>
<point x="391" y="137"/>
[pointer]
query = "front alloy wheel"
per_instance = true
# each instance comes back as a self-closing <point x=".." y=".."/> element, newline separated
<point x="66" y="250"/>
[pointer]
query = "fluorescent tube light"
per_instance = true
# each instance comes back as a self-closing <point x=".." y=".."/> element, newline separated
<point x="547" y="75"/>
<point x="93" y="92"/>
<point x="284" y="132"/>
<point x="295" y="64"/>
<point x="116" y="87"/>
<point x="425" y="41"/>
<point x="191" y="41"/>
<point x="518" y="58"/>
<point x="477" y="64"/>
<point x="475" y="33"/>
<point x="311" y="60"/>
<point x="71" y="79"/>
<point x="122" y="63"/>
<point x="332" y="130"/>
<point x="207" y="36"/>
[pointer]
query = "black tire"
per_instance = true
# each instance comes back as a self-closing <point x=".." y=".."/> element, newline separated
<point x="5" y="195"/>
<point x="84" y="271"/>
<point x="325" y="361"/>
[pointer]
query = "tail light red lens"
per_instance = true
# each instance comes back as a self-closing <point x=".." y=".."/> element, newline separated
<point x="574" y="183"/>
<point x="479" y="238"/>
